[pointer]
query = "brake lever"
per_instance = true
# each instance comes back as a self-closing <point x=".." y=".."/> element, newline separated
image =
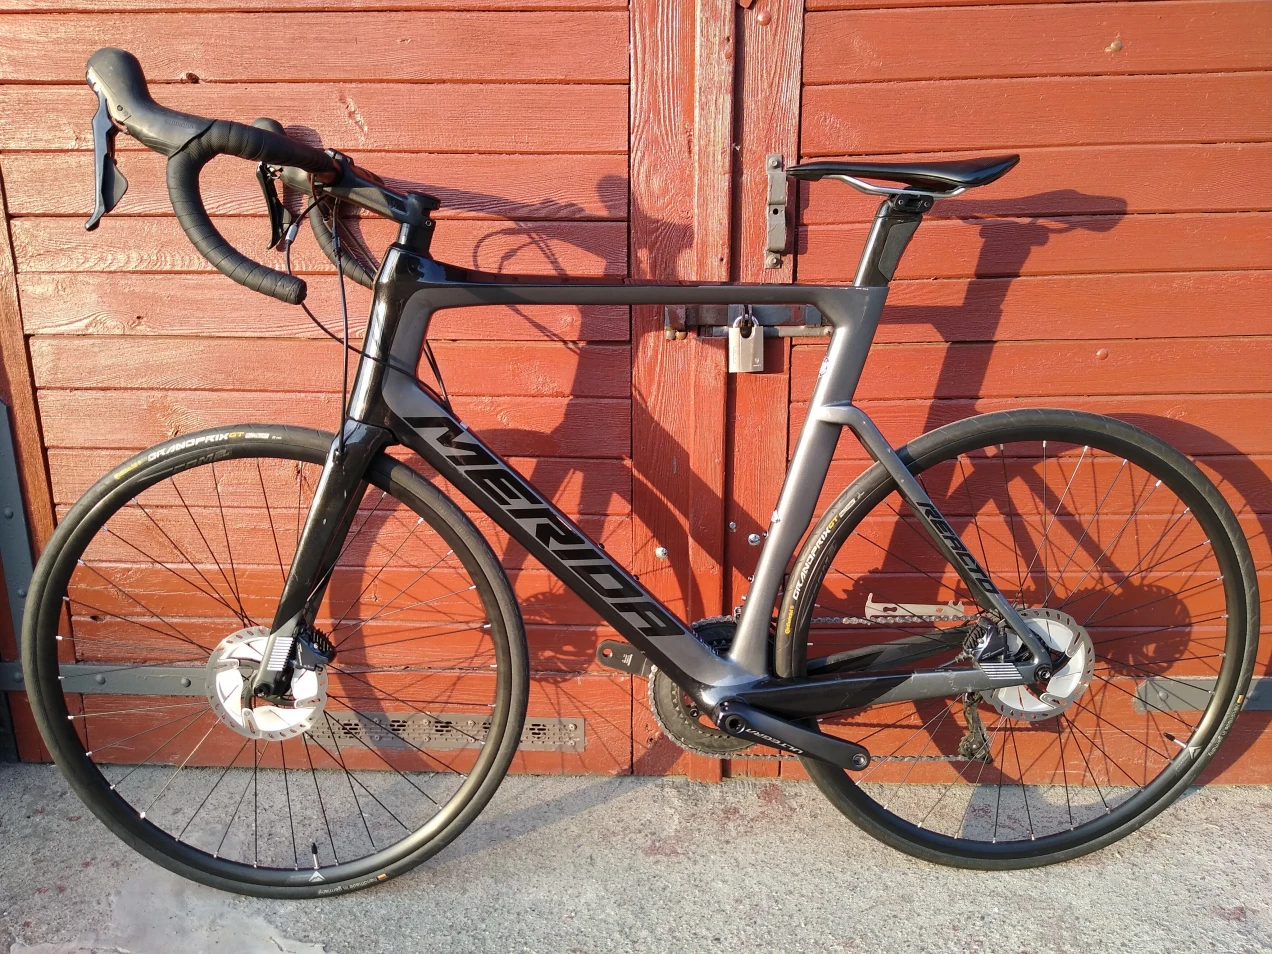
<point x="280" y="216"/>
<point x="111" y="184"/>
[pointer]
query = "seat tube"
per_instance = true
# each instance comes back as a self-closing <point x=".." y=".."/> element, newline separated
<point x="854" y="330"/>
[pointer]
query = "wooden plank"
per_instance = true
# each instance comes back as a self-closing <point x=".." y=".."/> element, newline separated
<point x="713" y="210"/>
<point x="1047" y="369"/>
<point x="220" y="364"/>
<point x="661" y="230"/>
<point x="677" y="462"/>
<point x="137" y="304"/>
<point x="1246" y="481"/>
<point x="1194" y="424"/>
<point x="1194" y="36"/>
<point x="1019" y="113"/>
<point x="415" y="47"/>
<point x="713" y="138"/>
<point x="302" y="6"/>
<point x="1080" y="307"/>
<point x="158" y="245"/>
<point x="1072" y="245"/>
<point x="1086" y="180"/>
<point x="354" y="117"/>
<point x="873" y="4"/>
<point x="768" y="123"/>
<point x="257" y="532"/>
<point x="528" y="427"/>
<point x="18" y="391"/>
<point x="526" y="188"/>
<point x="578" y="487"/>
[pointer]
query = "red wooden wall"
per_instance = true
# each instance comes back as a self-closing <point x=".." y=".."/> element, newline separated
<point x="1131" y="247"/>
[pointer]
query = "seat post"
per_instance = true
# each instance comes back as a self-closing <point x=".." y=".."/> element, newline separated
<point x="894" y="225"/>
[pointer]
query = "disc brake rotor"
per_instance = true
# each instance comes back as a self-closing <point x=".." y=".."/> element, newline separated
<point x="1062" y="633"/>
<point x="231" y="663"/>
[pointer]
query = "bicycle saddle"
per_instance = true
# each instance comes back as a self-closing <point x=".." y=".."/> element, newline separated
<point x="936" y="178"/>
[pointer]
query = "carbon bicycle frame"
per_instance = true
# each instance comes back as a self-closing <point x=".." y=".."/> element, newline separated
<point x="388" y="406"/>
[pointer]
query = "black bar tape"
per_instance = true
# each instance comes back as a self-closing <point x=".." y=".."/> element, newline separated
<point x="257" y="145"/>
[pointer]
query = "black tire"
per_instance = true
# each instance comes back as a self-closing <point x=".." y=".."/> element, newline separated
<point x="500" y="649"/>
<point x="961" y="444"/>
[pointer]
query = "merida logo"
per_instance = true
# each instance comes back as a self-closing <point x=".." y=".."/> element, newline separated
<point x="934" y="517"/>
<point x="546" y="534"/>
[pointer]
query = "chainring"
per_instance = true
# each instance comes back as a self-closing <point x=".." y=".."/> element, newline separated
<point x="678" y="715"/>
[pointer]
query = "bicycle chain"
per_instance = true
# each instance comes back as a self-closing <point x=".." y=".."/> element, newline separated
<point x="885" y="620"/>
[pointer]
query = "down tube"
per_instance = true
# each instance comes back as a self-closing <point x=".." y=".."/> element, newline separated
<point x="557" y="542"/>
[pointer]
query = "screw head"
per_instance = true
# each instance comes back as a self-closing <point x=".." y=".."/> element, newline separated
<point x="661" y="553"/>
<point x="753" y="539"/>
<point x="773" y="261"/>
<point x="733" y="525"/>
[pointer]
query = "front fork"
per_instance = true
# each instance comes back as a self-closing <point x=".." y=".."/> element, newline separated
<point x="331" y="514"/>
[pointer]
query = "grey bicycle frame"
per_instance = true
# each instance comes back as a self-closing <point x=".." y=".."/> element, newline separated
<point x="388" y="405"/>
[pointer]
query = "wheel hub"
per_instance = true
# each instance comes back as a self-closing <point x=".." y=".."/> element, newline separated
<point x="230" y="666"/>
<point x="1072" y="674"/>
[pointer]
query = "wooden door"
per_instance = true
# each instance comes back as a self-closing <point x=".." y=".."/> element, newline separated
<point x="1122" y="267"/>
<point x="516" y="117"/>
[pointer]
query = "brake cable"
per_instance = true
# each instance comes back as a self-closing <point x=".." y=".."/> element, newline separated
<point x="344" y="316"/>
<point x="288" y="239"/>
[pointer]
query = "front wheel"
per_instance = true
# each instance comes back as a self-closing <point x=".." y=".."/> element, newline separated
<point x="1116" y="550"/>
<point x="151" y="606"/>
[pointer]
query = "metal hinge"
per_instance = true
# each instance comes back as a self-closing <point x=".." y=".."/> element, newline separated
<point x="775" y="211"/>
<point x="713" y="321"/>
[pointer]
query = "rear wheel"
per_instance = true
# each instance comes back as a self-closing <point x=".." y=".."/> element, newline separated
<point x="1117" y="551"/>
<point x="155" y="597"/>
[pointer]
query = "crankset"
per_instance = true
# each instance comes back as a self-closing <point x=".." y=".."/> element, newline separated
<point x="679" y="717"/>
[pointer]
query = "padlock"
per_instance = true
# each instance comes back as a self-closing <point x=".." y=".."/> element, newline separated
<point x="746" y="345"/>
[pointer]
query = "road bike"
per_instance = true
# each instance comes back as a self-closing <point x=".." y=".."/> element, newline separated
<point x="285" y="662"/>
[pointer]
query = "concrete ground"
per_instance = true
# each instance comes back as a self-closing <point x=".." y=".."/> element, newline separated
<point x="656" y="865"/>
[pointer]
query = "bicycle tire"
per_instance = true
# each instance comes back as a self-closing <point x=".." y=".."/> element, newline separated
<point x="302" y="449"/>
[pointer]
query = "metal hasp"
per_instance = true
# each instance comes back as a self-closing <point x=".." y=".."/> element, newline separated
<point x="714" y="321"/>
<point x="775" y="211"/>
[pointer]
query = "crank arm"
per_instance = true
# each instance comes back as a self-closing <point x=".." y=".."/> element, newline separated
<point x="889" y="655"/>
<point x="744" y="722"/>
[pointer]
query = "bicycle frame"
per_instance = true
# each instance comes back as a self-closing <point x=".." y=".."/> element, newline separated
<point x="389" y="406"/>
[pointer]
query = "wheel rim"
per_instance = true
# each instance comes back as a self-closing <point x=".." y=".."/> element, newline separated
<point x="414" y="707"/>
<point x="1145" y="579"/>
